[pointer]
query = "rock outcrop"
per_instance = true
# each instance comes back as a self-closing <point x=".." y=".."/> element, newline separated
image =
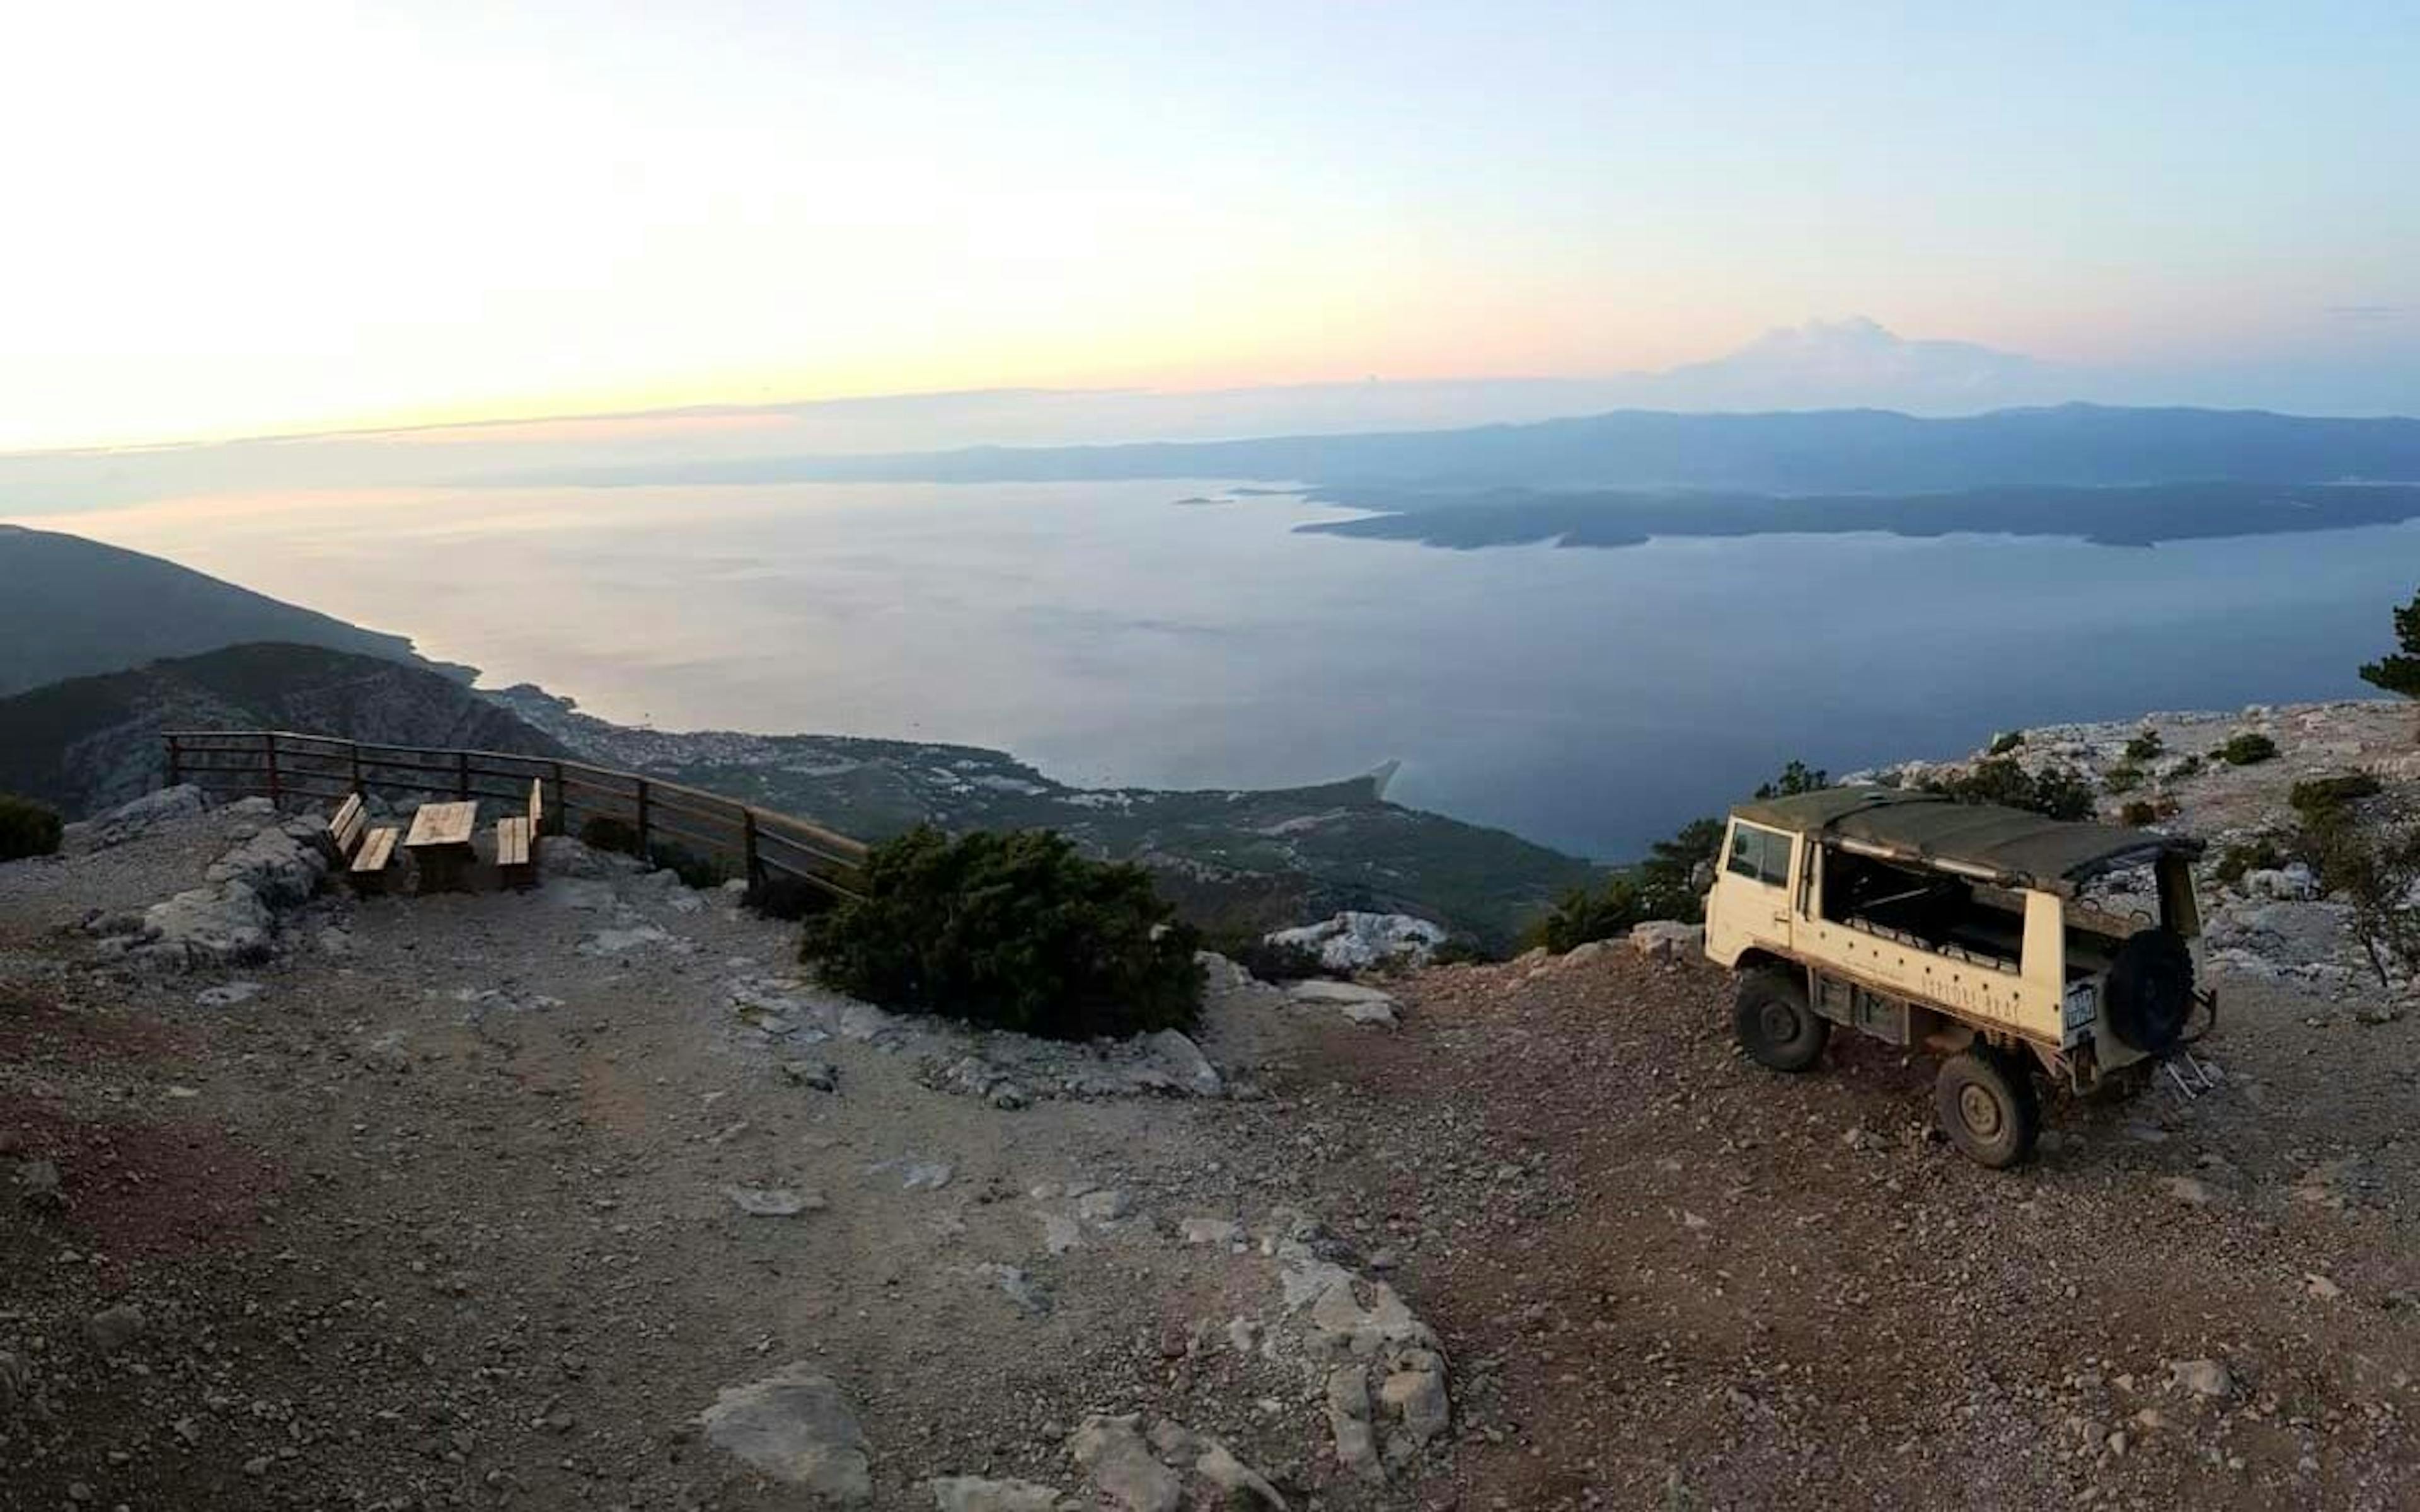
<point x="232" y="918"/>
<point x="1354" y="941"/>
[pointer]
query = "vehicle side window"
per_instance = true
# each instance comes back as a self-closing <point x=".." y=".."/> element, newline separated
<point x="1759" y="855"/>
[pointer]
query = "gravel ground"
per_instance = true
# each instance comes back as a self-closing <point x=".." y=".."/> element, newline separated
<point x="441" y="1216"/>
<point x="1669" y="1277"/>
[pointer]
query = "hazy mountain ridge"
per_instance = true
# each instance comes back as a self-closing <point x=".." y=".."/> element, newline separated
<point x="1782" y="453"/>
<point x="72" y="607"/>
<point x="1837" y="367"/>
<point x="90" y="743"/>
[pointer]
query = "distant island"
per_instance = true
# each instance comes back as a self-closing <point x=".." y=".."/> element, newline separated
<point x="2144" y="515"/>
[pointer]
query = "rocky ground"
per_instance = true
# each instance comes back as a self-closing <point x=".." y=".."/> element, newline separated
<point x="582" y="1197"/>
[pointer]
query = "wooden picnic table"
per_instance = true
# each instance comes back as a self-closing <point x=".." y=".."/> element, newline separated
<point x="440" y="841"/>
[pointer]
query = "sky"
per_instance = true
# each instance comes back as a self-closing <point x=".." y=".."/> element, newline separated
<point x="245" y="219"/>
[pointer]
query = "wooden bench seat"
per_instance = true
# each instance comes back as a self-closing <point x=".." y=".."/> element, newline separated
<point x="378" y="849"/>
<point x="517" y="838"/>
<point x="366" y="851"/>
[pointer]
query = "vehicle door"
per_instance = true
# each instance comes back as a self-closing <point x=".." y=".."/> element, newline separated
<point x="1760" y="870"/>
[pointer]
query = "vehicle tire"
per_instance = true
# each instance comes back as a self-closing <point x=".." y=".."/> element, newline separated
<point x="1987" y="1106"/>
<point x="2149" y="992"/>
<point x="1775" y="1024"/>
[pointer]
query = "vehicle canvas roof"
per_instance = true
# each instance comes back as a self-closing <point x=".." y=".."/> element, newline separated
<point x="2014" y="847"/>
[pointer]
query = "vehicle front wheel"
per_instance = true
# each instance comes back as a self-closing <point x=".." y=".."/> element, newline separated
<point x="1775" y="1024"/>
<point x="1987" y="1108"/>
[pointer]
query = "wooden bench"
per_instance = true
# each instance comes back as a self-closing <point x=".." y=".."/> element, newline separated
<point x="365" y="851"/>
<point x="516" y="840"/>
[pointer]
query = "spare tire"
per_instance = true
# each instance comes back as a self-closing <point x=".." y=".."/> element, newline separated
<point x="2149" y="995"/>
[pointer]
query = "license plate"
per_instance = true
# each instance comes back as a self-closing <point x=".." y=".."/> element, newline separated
<point x="2083" y="1005"/>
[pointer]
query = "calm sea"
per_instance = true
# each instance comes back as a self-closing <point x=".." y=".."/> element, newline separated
<point x="1588" y="698"/>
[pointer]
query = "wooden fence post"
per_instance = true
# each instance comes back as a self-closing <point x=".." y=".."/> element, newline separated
<point x="269" y="743"/>
<point x="748" y="843"/>
<point x="461" y="774"/>
<point x="561" y="805"/>
<point x="643" y="816"/>
<point x="175" y="763"/>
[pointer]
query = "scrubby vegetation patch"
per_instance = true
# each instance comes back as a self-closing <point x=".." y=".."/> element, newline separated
<point x="1010" y="931"/>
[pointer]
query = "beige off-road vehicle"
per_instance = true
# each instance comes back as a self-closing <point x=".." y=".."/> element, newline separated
<point x="1988" y="934"/>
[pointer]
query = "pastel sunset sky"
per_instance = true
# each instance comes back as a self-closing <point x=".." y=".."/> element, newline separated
<point x="251" y="218"/>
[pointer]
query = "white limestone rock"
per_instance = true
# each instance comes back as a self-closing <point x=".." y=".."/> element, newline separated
<point x="1354" y="941"/>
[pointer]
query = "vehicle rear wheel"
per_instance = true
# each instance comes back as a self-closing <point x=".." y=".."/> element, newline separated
<point x="1775" y="1024"/>
<point x="1987" y="1106"/>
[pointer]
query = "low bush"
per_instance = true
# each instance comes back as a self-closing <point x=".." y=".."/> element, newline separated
<point x="1461" y="949"/>
<point x="1795" y="778"/>
<point x="2371" y="863"/>
<point x="1603" y="912"/>
<point x="2007" y="741"/>
<point x="2138" y="812"/>
<point x="694" y="870"/>
<point x="2189" y="767"/>
<point x="2246" y="747"/>
<point x="2318" y="799"/>
<point x="1265" y="957"/>
<point x="2123" y="778"/>
<point x="27" y="828"/>
<point x="606" y="833"/>
<point x="2259" y="855"/>
<point x="1011" y="931"/>
<point x="2146" y="747"/>
<point x="2058" y="792"/>
<point x="779" y="895"/>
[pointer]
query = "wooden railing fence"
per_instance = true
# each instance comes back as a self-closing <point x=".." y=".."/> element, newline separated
<point x="287" y="767"/>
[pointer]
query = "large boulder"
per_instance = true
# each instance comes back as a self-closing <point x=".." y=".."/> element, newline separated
<point x="128" y="818"/>
<point x="225" y="925"/>
<point x="1354" y="941"/>
<point x="1665" y="939"/>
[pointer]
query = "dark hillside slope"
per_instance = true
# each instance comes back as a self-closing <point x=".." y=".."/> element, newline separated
<point x="69" y="606"/>
<point x="92" y="742"/>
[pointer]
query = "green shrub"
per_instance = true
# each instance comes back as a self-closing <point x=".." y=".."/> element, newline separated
<point x="1011" y="931"/>
<point x="1795" y="778"/>
<point x="2246" y="747"/>
<point x="26" y="828"/>
<point x="1603" y="912"/>
<point x="2146" y="747"/>
<point x="1667" y="879"/>
<point x="2004" y="742"/>
<point x="1265" y="957"/>
<point x="2259" y="855"/>
<point x="779" y="895"/>
<point x="2058" y="792"/>
<point x="1461" y="949"/>
<point x="606" y="833"/>
<point x="2372" y="864"/>
<point x="2189" y="767"/>
<point x="2123" y="778"/>
<point x="694" y="870"/>
<point x="2318" y="799"/>
<point x="2400" y="672"/>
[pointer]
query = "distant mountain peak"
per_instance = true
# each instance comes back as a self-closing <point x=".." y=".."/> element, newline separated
<point x="1855" y="363"/>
